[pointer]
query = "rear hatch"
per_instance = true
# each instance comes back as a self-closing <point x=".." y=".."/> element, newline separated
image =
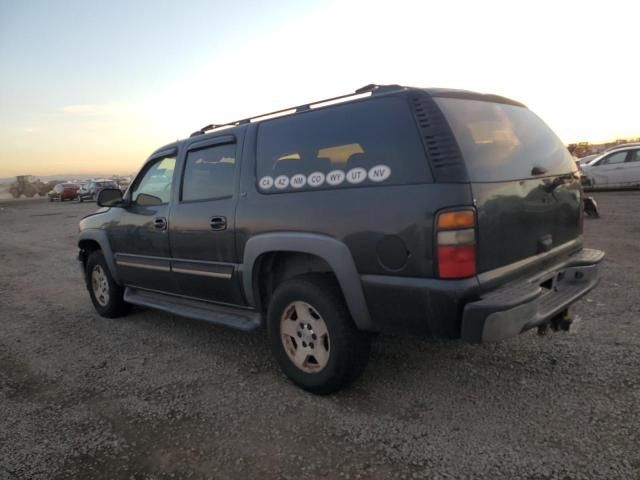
<point x="523" y="179"/>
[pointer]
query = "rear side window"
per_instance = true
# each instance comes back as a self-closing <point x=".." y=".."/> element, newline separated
<point x="504" y="142"/>
<point x="208" y="173"/>
<point x="374" y="142"/>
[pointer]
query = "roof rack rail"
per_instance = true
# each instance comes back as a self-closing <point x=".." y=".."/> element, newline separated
<point x="371" y="88"/>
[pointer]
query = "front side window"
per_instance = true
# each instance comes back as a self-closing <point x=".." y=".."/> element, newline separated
<point x="208" y="173"/>
<point x="373" y="142"/>
<point x="154" y="187"/>
<point x="614" y="158"/>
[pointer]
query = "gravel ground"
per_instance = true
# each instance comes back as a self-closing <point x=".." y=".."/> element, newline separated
<point x="157" y="396"/>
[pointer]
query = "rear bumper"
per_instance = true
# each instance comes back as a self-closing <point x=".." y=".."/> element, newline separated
<point x="517" y="307"/>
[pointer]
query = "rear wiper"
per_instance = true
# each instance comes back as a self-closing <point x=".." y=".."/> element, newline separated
<point x="536" y="170"/>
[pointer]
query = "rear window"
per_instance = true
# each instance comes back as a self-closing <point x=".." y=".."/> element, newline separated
<point x="374" y="142"/>
<point x="504" y="142"/>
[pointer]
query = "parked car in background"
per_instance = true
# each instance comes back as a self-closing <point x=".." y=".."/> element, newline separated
<point x="64" y="191"/>
<point x="617" y="168"/>
<point x="93" y="188"/>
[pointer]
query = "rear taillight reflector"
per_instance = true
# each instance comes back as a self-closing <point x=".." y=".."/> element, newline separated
<point x="456" y="244"/>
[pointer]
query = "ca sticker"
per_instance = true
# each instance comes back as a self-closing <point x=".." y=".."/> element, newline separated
<point x="298" y="181"/>
<point x="282" y="182"/>
<point x="266" y="183"/>
<point x="315" y="179"/>
<point x="379" y="173"/>
<point x="356" y="175"/>
<point x="335" y="177"/>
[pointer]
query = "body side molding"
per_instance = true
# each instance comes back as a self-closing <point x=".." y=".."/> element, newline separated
<point x="333" y="251"/>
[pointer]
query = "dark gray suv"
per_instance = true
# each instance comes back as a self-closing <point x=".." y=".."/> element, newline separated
<point x="444" y="212"/>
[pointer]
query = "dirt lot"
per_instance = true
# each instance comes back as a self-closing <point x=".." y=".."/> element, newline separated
<point x="157" y="396"/>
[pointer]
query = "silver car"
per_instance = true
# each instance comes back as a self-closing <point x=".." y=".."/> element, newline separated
<point x="617" y="168"/>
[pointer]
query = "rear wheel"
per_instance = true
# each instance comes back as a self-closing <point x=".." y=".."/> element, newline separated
<point x="107" y="296"/>
<point x="313" y="336"/>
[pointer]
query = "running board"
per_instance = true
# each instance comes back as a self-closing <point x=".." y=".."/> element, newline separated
<point x="209" y="312"/>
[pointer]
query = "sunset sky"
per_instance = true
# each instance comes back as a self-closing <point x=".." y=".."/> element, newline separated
<point x="94" y="87"/>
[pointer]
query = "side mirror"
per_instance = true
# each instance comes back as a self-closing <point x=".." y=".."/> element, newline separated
<point x="109" y="197"/>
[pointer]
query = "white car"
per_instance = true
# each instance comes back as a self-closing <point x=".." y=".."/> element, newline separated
<point x="619" y="168"/>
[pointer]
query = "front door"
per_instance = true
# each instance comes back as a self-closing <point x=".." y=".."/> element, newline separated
<point x="202" y="223"/>
<point x="139" y="238"/>
<point x="610" y="171"/>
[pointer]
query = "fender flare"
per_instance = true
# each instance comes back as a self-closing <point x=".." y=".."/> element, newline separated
<point x="332" y="251"/>
<point x="100" y="237"/>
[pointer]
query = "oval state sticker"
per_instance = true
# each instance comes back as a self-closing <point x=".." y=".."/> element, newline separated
<point x="266" y="183"/>
<point x="282" y="182"/>
<point x="298" y="180"/>
<point x="335" y="177"/>
<point x="356" y="175"/>
<point x="315" y="179"/>
<point x="379" y="173"/>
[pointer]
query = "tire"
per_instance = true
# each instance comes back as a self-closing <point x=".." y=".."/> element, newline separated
<point x="111" y="305"/>
<point x="50" y="199"/>
<point x="342" y="352"/>
<point x="81" y="199"/>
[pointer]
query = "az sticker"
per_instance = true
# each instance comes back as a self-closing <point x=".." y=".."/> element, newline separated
<point x="282" y="182"/>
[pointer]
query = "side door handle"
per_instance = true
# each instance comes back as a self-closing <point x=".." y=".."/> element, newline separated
<point x="160" y="223"/>
<point x="218" y="223"/>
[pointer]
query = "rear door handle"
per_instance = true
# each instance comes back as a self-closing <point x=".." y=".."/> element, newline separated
<point x="218" y="223"/>
<point x="160" y="223"/>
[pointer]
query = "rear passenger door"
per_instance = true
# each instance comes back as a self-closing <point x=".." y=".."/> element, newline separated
<point x="202" y="222"/>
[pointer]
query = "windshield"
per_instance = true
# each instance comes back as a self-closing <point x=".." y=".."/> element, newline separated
<point x="504" y="142"/>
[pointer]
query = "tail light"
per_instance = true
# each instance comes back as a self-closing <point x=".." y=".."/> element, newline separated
<point x="456" y="243"/>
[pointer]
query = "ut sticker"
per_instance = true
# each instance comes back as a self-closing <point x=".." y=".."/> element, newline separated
<point x="298" y="181"/>
<point x="266" y="183"/>
<point x="335" y="177"/>
<point x="282" y="182"/>
<point x="315" y="179"/>
<point x="379" y="173"/>
<point x="356" y="175"/>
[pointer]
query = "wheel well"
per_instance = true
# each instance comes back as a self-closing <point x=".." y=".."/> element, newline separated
<point x="87" y="247"/>
<point x="273" y="268"/>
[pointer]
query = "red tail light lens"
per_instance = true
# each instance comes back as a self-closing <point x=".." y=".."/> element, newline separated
<point x="456" y="246"/>
<point x="457" y="262"/>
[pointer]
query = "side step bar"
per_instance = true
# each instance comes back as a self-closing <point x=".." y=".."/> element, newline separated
<point x="209" y="312"/>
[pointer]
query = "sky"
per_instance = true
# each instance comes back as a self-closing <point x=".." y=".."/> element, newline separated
<point x="94" y="87"/>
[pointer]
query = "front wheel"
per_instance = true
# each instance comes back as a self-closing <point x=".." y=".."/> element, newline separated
<point x="106" y="295"/>
<point x="313" y="336"/>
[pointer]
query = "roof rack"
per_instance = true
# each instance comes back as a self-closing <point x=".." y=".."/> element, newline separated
<point x="371" y="88"/>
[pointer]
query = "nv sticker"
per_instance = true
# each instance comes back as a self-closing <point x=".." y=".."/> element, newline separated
<point x="379" y="173"/>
